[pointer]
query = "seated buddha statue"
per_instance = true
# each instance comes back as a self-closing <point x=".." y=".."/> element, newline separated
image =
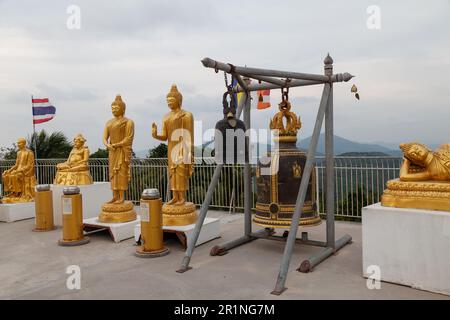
<point x="19" y="180"/>
<point x="424" y="181"/>
<point x="75" y="171"/>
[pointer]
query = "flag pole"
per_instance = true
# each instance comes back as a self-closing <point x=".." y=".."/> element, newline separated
<point x="34" y="141"/>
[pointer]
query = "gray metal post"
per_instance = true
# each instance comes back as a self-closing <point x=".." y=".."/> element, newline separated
<point x="281" y="280"/>
<point x="248" y="194"/>
<point x="329" y="158"/>
<point x="244" y="99"/>
<point x="198" y="226"/>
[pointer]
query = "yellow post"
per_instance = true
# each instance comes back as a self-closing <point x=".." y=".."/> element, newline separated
<point x="72" y="211"/>
<point x="43" y="208"/>
<point x="152" y="245"/>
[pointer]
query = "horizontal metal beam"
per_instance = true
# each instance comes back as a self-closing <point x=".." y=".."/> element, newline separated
<point x="269" y="86"/>
<point x="229" y="68"/>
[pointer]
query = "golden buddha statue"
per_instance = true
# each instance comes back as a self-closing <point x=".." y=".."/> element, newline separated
<point x="118" y="139"/>
<point x="19" y="180"/>
<point x="75" y="171"/>
<point x="178" y="131"/>
<point x="424" y="181"/>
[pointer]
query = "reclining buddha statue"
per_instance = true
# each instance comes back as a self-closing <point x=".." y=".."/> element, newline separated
<point x="424" y="181"/>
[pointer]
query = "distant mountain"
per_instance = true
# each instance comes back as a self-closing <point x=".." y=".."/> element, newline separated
<point x="342" y="147"/>
<point x="345" y="146"/>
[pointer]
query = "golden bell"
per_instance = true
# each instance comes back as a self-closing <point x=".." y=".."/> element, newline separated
<point x="43" y="208"/>
<point x="72" y="211"/>
<point x="152" y="245"/>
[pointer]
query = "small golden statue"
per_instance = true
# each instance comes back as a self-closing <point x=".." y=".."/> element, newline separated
<point x="178" y="131"/>
<point x="75" y="171"/>
<point x="118" y="139"/>
<point x="288" y="132"/>
<point x="424" y="181"/>
<point x="19" y="180"/>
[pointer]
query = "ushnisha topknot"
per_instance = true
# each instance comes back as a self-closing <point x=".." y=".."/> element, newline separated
<point x="174" y="93"/>
<point x="80" y="137"/>
<point x="119" y="102"/>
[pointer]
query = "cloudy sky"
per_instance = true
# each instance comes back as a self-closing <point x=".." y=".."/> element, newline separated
<point x="139" y="48"/>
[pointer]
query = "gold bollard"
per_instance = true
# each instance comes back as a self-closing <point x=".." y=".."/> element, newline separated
<point x="152" y="245"/>
<point x="72" y="220"/>
<point x="43" y="206"/>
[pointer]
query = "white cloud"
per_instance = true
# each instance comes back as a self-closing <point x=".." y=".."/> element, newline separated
<point x="139" y="48"/>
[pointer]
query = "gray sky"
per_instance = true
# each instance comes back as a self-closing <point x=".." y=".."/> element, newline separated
<point x="139" y="48"/>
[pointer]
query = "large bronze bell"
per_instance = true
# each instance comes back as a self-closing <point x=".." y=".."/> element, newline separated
<point x="230" y="141"/>
<point x="278" y="181"/>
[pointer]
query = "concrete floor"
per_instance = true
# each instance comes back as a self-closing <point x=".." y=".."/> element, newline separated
<point x="33" y="266"/>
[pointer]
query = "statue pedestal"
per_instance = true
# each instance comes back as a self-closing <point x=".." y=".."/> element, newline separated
<point x="431" y="195"/>
<point x="117" y="213"/>
<point x="410" y="246"/>
<point x="10" y="212"/>
<point x="182" y="215"/>
<point x="210" y="231"/>
<point x="118" y="231"/>
<point x="94" y="195"/>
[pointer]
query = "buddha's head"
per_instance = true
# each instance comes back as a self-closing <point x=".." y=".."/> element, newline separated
<point x="118" y="106"/>
<point x="21" y="143"/>
<point x="415" y="152"/>
<point x="79" y="141"/>
<point x="174" y="98"/>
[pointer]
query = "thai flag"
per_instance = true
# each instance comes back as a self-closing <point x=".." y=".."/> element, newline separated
<point x="43" y="111"/>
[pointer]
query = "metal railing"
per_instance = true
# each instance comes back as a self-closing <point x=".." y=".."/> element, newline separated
<point x="359" y="181"/>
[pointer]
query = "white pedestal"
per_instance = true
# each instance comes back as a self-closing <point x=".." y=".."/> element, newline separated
<point x="118" y="231"/>
<point x="210" y="230"/>
<point x="10" y="212"/>
<point x="94" y="196"/>
<point x="411" y="246"/>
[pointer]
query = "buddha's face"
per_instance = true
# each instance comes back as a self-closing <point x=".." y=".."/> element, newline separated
<point x="117" y="110"/>
<point x="173" y="103"/>
<point x="78" y="143"/>
<point x="21" y="143"/>
<point x="417" y="153"/>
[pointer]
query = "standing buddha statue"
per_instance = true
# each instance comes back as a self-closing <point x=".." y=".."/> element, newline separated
<point x="118" y="139"/>
<point x="178" y="131"/>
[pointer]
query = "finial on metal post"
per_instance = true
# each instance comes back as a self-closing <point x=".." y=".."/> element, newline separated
<point x="328" y="61"/>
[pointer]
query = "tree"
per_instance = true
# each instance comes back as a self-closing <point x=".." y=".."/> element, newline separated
<point x="100" y="153"/>
<point x="158" y="152"/>
<point x="55" y="145"/>
<point x="8" y="153"/>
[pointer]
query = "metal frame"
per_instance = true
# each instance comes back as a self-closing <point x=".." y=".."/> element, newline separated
<point x="270" y="80"/>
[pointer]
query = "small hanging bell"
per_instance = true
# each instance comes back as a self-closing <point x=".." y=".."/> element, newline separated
<point x="354" y="90"/>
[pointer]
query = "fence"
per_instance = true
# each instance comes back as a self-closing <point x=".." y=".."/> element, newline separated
<point x="359" y="181"/>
